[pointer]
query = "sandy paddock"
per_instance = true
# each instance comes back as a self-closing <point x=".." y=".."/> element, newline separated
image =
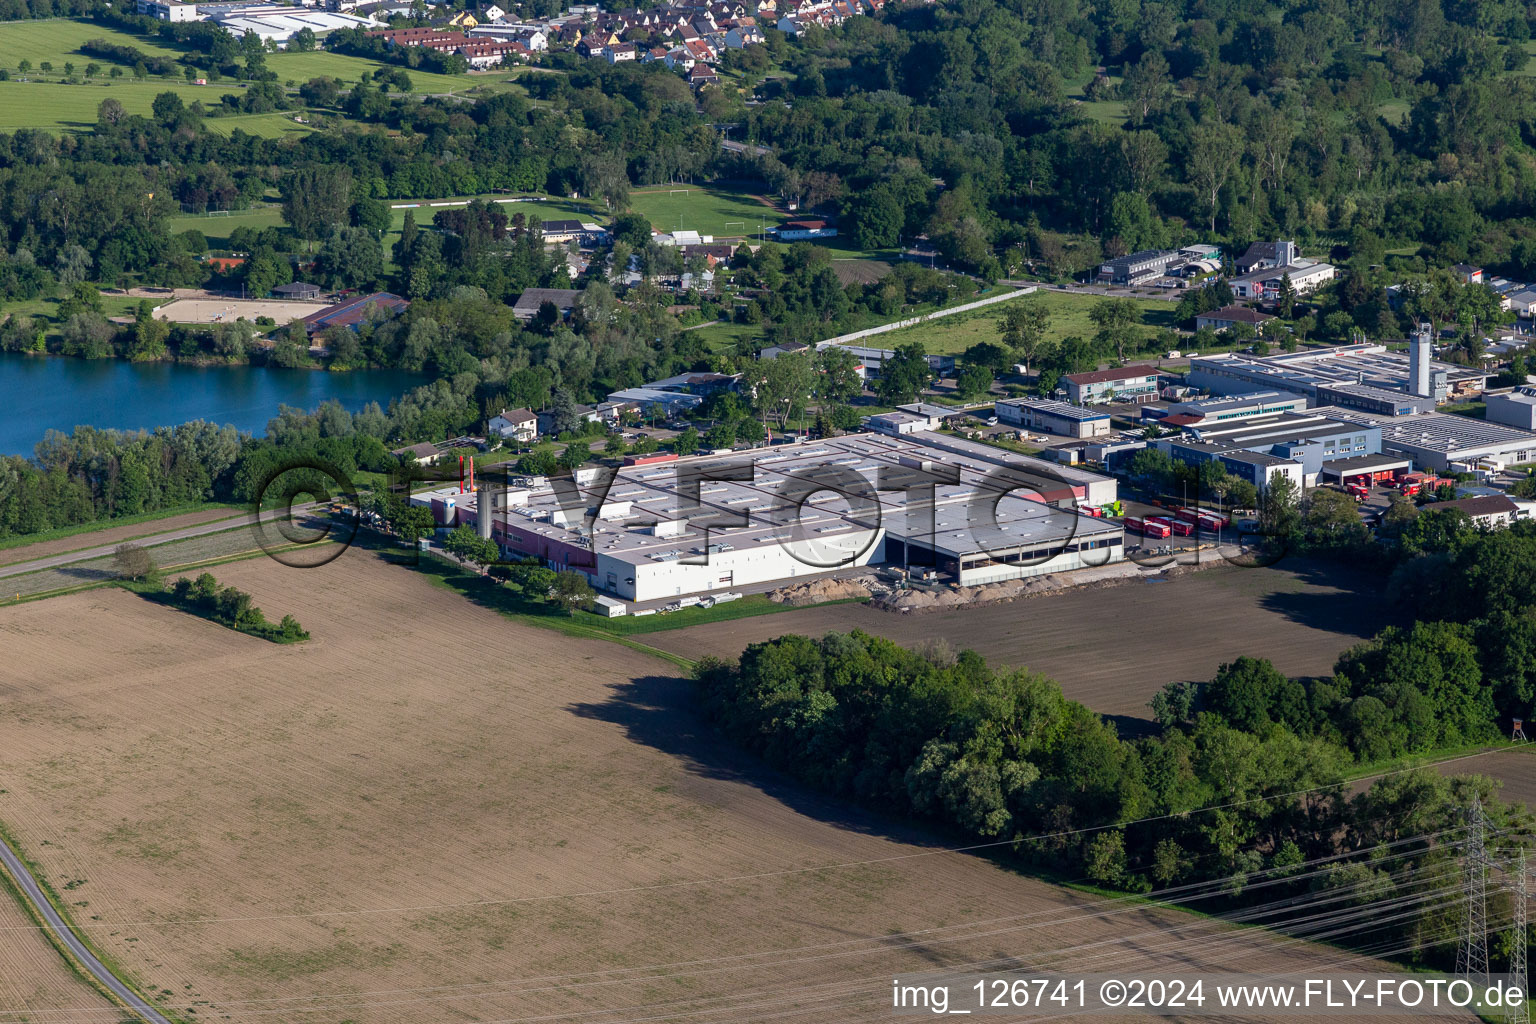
<point x="213" y="311"/>
<point x="431" y="813"/>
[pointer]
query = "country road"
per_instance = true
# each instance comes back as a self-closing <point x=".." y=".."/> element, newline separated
<point x="33" y="894"/>
<point x="106" y="550"/>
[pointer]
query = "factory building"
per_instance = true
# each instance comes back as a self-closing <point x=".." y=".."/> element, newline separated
<point x="1139" y="267"/>
<point x="966" y="512"/>
<point x="1308" y="440"/>
<point x="1053" y="417"/>
<point x="1441" y="442"/>
<point x="1367" y="378"/>
<point x="1204" y="411"/>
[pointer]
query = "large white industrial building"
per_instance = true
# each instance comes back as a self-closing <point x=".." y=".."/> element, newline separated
<point x="991" y="516"/>
<point x="1365" y="377"/>
<point x="278" y="23"/>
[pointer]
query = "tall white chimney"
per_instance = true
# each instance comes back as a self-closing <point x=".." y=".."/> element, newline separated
<point x="484" y="510"/>
<point x="1418" y="361"/>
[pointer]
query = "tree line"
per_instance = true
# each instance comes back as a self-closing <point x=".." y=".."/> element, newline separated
<point x="1000" y="755"/>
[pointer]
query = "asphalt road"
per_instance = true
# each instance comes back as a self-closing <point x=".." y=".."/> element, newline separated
<point x="34" y="895"/>
<point x="106" y="550"/>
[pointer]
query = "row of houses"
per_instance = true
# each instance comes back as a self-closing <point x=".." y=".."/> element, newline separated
<point x="479" y="52"/>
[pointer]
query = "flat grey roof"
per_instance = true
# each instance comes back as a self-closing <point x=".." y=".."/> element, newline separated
<point x="1439" y="432"/>
<point x="654" y="496"/>
<point x="1056" y="407"/>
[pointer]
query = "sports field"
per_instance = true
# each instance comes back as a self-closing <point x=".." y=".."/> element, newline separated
<point x="709" y="211"/>
<point x="215" y="311"/>
<point x="430" y="813"/>
<point x="57" y="40"/>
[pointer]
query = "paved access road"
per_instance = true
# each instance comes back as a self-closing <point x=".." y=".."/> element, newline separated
<point x="33" y="894"/>
<point x="106" y="550"/>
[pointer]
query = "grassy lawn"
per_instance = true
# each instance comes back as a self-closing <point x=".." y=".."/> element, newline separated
<point x="301" y="67"/>
<point x="1103" y="111"/>
<point x="724" y="337"/>
<point x="58" y="40"/>
<point x="56" y="105"/>
<point x="267" y="126"/>
<point x="1069" y="317"/>
<point x="709" y="211"/>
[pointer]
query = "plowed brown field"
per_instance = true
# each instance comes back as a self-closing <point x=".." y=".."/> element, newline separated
<point x="431" y="813"/>
<point x="1113" y="647"/>
<point x="35" y="983"/>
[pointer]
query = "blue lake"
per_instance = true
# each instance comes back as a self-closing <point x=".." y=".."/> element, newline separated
<point x="42" y="393"/>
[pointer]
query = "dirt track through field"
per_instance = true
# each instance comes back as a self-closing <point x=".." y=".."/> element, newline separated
<point x="1113" y="647"/>
<point x="432" y="813"/>
<point x="112" y="535"/>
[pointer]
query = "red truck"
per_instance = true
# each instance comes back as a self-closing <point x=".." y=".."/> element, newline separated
<point x="1158" y="526"/>
<point x="1182" y="528"/>
<point x="1135" y="523"/>
<point x="1358" y="491"/>
<point x="1213" y="521"/>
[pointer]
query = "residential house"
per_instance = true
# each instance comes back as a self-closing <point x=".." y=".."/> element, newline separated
<point x="679" y="59"/>
<point x="701" y="75"/>
<point x="1489" y="512"/>
<point x="492" y="13"/>
<point x="515" y="424"/>
<point x="782" y="348"/>
<point x="425" y="452"/>
<point x="621" y="52"/>
<point x="1263" y="255"/>
<point x="742" y="36"/>
<point x="532" y="300"/>
<point x="1230" y="316"/>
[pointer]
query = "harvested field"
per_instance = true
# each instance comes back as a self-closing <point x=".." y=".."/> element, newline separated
<point x="432" y="813"/>
<point x="214" y="311"/>
<point x="1515" y="767"/>
<point x="112" y="535"/>
<point x="860" y="271"/>
<point x="35" y="982"/>
<point x="1113" y="647"/>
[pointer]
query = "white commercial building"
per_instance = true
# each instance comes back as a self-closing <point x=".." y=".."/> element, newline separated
<point x="1515" y="409"/>
<point x="681" y="528"/>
